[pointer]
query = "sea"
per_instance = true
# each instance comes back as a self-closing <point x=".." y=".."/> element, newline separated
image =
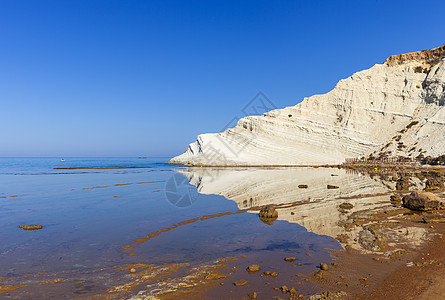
<point x="95" y="217"/>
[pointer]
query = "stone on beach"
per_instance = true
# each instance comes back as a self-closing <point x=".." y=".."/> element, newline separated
<point x="324" y="267"/>
<point x="420" y="200"/>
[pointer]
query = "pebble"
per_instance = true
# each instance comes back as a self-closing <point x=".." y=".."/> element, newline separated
<point x="132" y="270"/>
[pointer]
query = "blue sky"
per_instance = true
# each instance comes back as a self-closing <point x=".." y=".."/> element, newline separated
<point x="132" y="78"/>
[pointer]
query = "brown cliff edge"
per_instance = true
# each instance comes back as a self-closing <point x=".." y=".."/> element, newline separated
<point x="431" y="56"/>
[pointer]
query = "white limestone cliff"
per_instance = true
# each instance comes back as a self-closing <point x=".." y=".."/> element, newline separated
<point x="392" y="109"/>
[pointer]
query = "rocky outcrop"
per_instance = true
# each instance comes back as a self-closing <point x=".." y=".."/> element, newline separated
<point x="430" y="56"/>
<point x="420" y="200"/>
<point x="390" y="110"/>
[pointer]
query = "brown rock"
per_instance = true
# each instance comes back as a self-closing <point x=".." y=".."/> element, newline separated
<point x="267" y="273"/>
<point x="284" y="289"/>
<point x="396" y="199"/>
<point x="31" y="227"/>
<point x="268" y="215"/>
<point x="302" y="186"/>
<point x="290" y="259"/>
<point x="292" y="291"/>
<point x="253" y="268"/>
<point x="331" y="187"/>
<point x="434" y="219"/>
<point x="346" y="206"/>
<point x="324" y="266"/>
<point x="132" y="270"/>
<point x="274" y="274"/>
<point x="419" y="200"/>
<point x="240" y="282"/>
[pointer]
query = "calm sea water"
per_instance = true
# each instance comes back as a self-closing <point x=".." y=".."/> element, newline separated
<point x="88" y="215"/>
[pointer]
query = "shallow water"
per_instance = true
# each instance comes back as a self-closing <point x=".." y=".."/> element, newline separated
<point x="89" y="215"/>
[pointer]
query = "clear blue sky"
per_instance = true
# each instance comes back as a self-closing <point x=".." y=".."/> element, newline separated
<point x="131" y="78"/>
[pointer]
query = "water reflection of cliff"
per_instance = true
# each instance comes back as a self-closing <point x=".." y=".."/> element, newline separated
<point x="316" y="207"/>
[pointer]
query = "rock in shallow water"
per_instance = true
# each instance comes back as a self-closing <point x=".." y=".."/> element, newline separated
<point x="31" y="227"/>
<point x="253" y="268"/>
<point x="420" y="200"/>
<point x="268" y="215"/>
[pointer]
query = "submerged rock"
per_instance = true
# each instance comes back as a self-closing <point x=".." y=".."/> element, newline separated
<point x="253" y="268"/>
<point x="240" y="282"/>
<point x="420" y="200"/>
<point x="290" y="259"/>
<point x="31" y="227"/>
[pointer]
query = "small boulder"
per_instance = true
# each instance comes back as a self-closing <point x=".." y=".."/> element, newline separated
<point x="396" y="199"/>
<point x="302" y="186"/>
<point x="268" y="215"/>
<point x="324" y="267"/>
<point x="240" y="282"/>
<point x="132" y="270"/>
<point x="284" y="289"/>
<point x="253" y="268"/>
<point x="419" y="200"/>
<point x="346" y="206"/>
<point x="331" y="187"/>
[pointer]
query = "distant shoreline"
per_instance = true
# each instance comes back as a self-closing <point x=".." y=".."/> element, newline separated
<point x="81" y="168"/>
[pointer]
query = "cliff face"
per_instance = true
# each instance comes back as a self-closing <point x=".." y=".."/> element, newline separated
<point x="392" y="109"/>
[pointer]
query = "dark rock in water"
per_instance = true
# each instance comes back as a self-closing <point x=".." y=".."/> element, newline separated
<point x="324" y="266"/>
<point x="31" y="227"/>
<point x="331" y="187"/>
<point x="420" y="200"/>
<point x="268" y="215"/>
<point x="346" y="206"/>
<point x="434" y="219"/>
<point x="240" y="282"/>
<point x="302" y="186"/>
<point x="290" y="259"/>
<point x="284" y="289"/>
<point x="253" y="268"/>
<point x="396" y="199"/>
<point x="403" y="183"/>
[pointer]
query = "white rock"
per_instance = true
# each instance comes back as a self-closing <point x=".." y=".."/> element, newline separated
<point x="363" y="114"/>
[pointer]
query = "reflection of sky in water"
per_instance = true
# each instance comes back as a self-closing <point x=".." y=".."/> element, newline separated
<point x="86" y="228"/>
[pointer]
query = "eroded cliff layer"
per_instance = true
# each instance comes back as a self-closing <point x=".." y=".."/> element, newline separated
<point x="392" y="109"/>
